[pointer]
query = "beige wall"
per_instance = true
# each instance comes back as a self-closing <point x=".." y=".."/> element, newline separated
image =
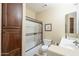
<point x="30" y="13"/>
<point x="0" y="29"/>
<point x="56" y="16"/>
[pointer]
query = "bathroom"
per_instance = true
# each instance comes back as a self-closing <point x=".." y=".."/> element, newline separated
<point x="47" y="23"/>
<point x="55" y="15"/>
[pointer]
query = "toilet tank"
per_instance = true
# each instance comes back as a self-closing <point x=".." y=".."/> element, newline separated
<point x="47" y="41"/>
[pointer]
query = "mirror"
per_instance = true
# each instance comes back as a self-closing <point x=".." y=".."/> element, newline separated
<point x="71" y="23"/>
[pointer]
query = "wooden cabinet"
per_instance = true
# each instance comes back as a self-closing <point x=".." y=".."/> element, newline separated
<point x="12" y="15"/>
<point x="11" y="29"/>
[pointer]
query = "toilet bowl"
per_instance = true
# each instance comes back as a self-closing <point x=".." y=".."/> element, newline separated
<point x="44" y="47"/>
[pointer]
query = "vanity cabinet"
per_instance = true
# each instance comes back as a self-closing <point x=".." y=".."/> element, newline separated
<point x="11" y="29"/>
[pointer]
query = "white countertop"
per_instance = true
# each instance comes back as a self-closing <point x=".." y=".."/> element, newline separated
<point x="63" y="51"/>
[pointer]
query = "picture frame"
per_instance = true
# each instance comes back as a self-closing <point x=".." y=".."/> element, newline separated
<point x="48" y="27"/>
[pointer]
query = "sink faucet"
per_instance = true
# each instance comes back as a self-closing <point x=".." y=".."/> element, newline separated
<point x="76" y="43"/>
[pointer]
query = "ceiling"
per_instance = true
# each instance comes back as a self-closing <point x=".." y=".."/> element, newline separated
<point x="37" y="7"/>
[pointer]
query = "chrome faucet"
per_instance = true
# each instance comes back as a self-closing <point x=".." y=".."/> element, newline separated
<point x="76" y="43"/>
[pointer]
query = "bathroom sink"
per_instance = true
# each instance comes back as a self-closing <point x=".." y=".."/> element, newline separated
<point x="68" y="43"/>
<point x="69" y="46"/>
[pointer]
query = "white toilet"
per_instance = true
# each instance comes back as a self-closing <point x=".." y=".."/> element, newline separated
<point x="47" y="43"/>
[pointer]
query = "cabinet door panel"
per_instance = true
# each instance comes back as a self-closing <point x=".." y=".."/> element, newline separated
<point x="11" y="40"/>
<point x="12" y="15"/>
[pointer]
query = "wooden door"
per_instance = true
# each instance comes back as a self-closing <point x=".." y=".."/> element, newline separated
<point x="12" y="15"/>
<point x="11" y="29"/>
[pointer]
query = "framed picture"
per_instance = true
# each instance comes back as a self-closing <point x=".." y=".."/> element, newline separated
<point x="48" y="27"/>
